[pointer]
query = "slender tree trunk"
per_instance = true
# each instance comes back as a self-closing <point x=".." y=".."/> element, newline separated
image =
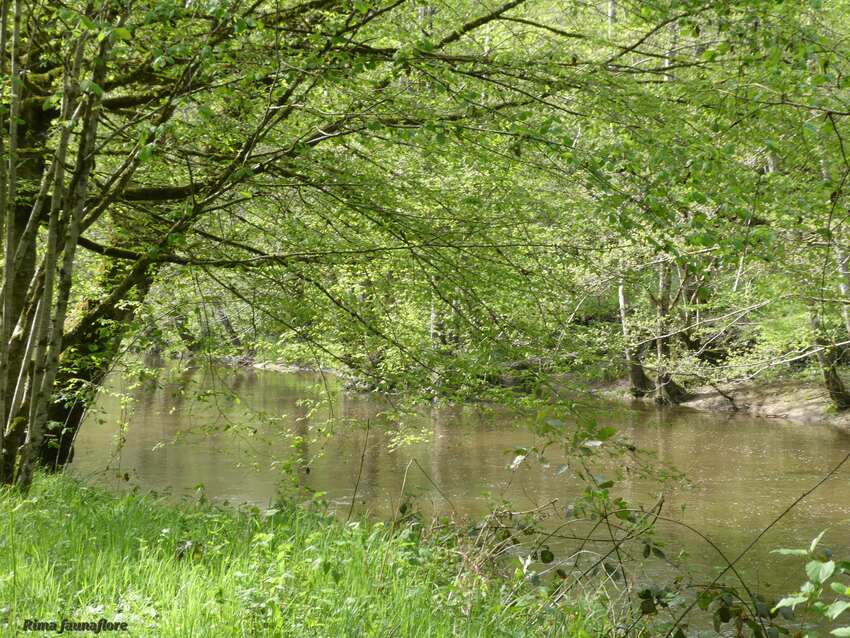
<point x="667" y="391"/>
<point x="639" y="383"/>
<point x="842" y="258"/>
<point x="23" y="170"/>
<point x="181" y="326"/>
<point x="5" y="221"/>
<point x="828" y="357"/>
<point x="227" y="326"/>
<point x="425" y="16"/>
<point x="66" y="213"/>
<point x="41" y="380"/>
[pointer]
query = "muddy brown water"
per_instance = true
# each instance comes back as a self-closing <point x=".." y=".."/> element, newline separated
<point x="235" y="431"/>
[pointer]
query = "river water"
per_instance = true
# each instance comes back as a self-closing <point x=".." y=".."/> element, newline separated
<point x="235" y="432"/>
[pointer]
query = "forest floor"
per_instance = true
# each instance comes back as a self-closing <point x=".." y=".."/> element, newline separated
<point x="796" y="400"/>
<point x="197" y="569"/>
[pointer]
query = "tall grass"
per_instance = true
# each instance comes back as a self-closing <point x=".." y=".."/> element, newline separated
<point x="198" y="570"/>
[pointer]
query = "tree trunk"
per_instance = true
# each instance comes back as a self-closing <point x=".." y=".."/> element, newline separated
<point x="92" y="349"/>
<point x="828" y="358"/>
<point x="190" y="341"/>
<point x="29" y="126"/>
<point x="841" y="258"/>
<point x="227" y="326"/>
<point x="667" y="391"/>
<point x="639" y="383"/>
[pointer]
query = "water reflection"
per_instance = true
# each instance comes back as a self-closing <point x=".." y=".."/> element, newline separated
<point x="236" y="431"/>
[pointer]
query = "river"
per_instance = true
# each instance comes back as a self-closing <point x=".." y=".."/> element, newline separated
<point x="233" y="431"/>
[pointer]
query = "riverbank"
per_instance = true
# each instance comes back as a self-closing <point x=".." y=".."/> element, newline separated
<point x="82" y="554"/>
<point x="799" y="401"/>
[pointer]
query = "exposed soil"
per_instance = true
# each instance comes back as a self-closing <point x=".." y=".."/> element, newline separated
<point x="799" y="401"/>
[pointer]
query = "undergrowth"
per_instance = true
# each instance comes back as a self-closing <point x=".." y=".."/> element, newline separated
<point x="196" y="569"/>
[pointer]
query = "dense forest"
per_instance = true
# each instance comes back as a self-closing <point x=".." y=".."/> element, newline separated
<point x="441" y="201"/>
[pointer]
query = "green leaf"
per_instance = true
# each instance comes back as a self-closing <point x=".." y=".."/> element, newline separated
<point x="51" y="101"/>
<point x="816" y="541"/>
<point x="840" y="588"/>
<point x="841" y="631"/>
<point x="89" y="86"/>
<point x="121" y="33"/>
<point x="606" y="433"/>
<point x="791" y="552"/>
<point x="819" y="572"/>
<point x="836" y="609"/>
<point x="790" y="601"/>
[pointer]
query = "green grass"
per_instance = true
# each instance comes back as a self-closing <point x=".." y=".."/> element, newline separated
<point x="70" y="551"/>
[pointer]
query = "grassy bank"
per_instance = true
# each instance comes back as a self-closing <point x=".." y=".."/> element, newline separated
<point x="70" y="551"/>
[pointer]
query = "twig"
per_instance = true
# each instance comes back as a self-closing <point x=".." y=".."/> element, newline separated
<point x="359" y="471"/>
<point x="401" y="492"/>
<point x="437" y="487"/>
<point x="731" y="565"/>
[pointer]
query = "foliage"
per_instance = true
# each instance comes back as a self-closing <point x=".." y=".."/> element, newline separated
<point x="816" y="595"/>
<point x="169" y="570"/>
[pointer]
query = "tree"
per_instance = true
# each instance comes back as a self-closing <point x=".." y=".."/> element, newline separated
<point x="134" y="127"/>
<point x="435" y="196"/>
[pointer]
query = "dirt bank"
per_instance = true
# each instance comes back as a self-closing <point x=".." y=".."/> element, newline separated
<point x="799" y="401"/>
